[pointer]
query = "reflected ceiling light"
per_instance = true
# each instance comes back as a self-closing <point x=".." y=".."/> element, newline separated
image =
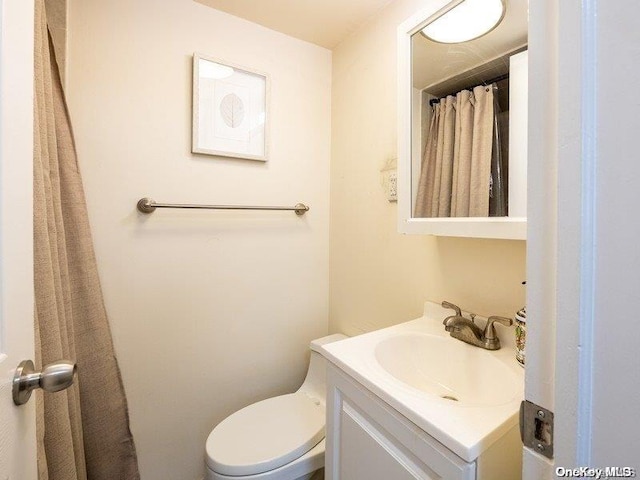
<point x="466" y="21"/>
<point x="214" y="70"/>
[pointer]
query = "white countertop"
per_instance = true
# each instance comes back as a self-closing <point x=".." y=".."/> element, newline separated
<point x="465" y="429"/>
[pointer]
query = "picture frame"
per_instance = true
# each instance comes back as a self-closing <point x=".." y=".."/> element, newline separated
<point x="230" y="110"/>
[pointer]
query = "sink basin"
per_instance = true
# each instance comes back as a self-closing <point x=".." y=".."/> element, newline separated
<point x="447" y="368"/>
<point x="463" y="396"/>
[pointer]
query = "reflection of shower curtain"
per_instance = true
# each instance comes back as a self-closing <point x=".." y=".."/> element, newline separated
<point x="499" y="189"/>
<point x="82" y="432"/>
<point x="455" y="179"/>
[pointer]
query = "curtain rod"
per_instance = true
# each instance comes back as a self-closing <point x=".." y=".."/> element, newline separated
<point x="497" y="79"/>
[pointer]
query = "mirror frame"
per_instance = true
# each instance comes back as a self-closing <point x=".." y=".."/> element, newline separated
<point x="513" y="228"/>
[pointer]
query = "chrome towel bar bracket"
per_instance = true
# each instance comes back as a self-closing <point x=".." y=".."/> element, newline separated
<point x="148" y="205"/>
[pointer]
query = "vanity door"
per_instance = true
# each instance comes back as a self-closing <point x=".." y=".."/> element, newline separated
<point x="368" y="440"/>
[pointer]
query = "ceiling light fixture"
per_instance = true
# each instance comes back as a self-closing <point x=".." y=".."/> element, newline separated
<point x="466" y="21"/>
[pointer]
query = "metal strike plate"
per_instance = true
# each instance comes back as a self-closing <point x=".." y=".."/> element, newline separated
<point x="536" y="428"/>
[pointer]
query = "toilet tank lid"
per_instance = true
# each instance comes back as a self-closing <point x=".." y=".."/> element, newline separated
<point x="316" y="345"/>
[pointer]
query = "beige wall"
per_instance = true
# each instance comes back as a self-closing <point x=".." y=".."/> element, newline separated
<point x="210" y="311"/>
<point x="377" y="276"/>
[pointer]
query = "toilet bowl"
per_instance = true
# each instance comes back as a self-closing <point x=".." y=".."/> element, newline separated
<point x="280" y="438"/>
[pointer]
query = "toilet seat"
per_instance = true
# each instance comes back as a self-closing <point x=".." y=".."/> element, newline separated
<point x="298" y="469"/>
<point x="266" y="435"/>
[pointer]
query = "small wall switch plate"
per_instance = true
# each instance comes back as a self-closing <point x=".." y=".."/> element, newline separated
<point x="389" y="179"/>
<point x="392" y="192"/>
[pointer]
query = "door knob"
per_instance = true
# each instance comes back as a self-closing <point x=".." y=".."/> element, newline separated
<point x="54" y="377"/>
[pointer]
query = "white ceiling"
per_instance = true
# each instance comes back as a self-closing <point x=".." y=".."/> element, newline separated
<point x="323" y="22"/>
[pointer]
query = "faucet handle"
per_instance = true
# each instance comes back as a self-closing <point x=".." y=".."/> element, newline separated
<point x="507" y="322"/>
<point x="489" y="329"/>
<point x="446" y="304"/>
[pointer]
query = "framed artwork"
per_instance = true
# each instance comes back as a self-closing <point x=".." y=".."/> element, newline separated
<point x="230" y="110"/>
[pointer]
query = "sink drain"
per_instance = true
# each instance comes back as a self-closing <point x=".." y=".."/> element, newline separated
<point x="449" y="397"/>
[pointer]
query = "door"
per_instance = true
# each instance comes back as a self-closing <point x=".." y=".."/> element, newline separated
<point x="17" y="424"/>
<point x="582" y="248"/>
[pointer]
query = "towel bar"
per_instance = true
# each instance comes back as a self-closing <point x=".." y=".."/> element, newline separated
<point x="148" y="205"/>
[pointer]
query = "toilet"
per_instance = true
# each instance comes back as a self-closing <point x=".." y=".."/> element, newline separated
<point x="280" y="438"/>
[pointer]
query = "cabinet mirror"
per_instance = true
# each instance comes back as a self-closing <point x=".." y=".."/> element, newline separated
<point x="463" y="119"/>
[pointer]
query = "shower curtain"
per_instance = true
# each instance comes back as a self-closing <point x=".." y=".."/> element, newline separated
<point x="455" y="178"/>
<point x="82" y="432"/>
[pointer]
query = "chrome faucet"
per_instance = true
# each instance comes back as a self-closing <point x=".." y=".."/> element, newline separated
<point x="466" y="330"/>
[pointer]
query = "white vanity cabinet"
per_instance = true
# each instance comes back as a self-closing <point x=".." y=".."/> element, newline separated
<point x="369" y="440"/>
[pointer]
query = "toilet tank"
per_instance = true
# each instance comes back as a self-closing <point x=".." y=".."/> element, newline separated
<point x="315" y="384"/>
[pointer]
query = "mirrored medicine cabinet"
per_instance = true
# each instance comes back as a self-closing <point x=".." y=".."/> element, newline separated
<point x="462" y="152"/>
